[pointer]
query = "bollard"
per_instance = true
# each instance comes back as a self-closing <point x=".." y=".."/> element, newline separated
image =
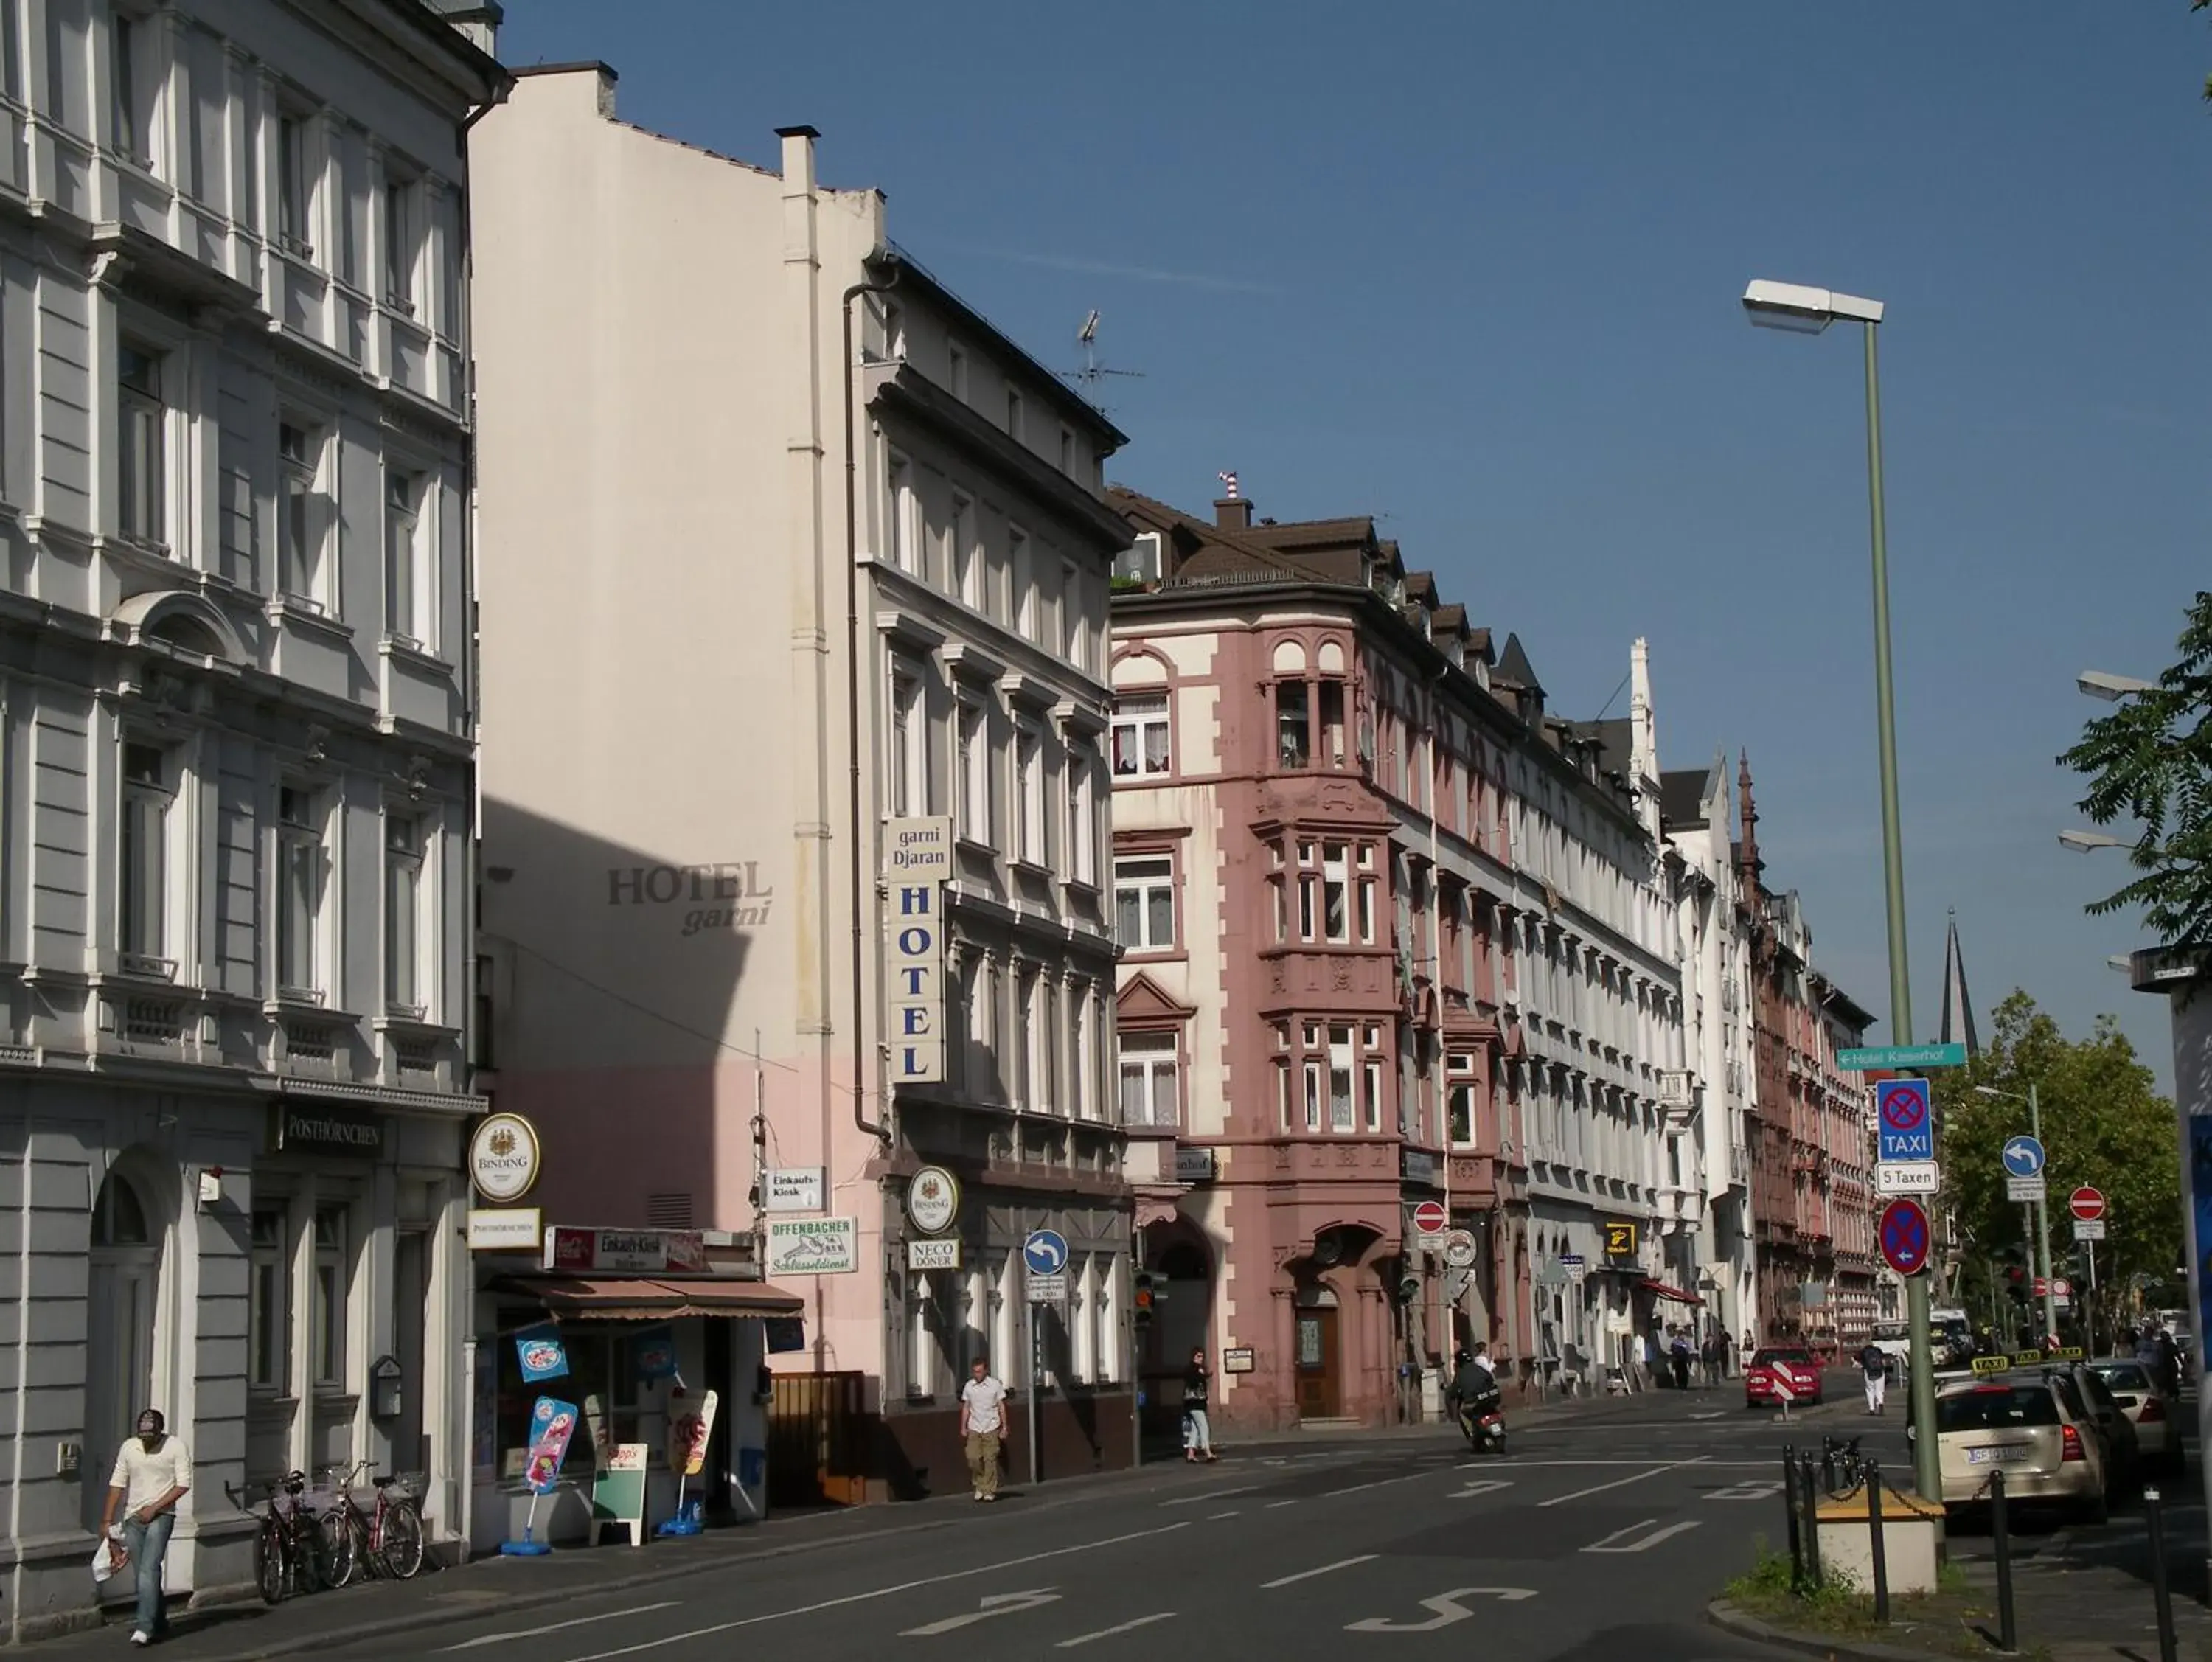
<point x="2000" y="1541"/>
<point x="1790" y="1510"/>
<point x="1809" y="1491"/>
<point x="2154" y="1515"/>
<point x="1828" y="1464"/>
<point x="1876" y="1546"/>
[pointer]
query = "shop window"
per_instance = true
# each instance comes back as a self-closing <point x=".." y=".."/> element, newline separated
<point x="269" y="1314"/>
<point x="329" y="1314"/>
<point x="602" y="1380"/>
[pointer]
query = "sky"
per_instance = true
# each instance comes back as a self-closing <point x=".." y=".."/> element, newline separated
<point x="1474" y="269"/>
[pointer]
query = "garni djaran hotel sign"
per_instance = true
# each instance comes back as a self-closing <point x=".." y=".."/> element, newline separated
<point x="917" y="859"/>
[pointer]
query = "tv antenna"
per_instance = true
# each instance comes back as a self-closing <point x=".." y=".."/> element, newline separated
<point x="1093" y="372"/>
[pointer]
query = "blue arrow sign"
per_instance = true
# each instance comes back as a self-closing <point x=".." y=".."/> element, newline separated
<point x="2023" y="1157"/>
<point x="1045" y="1252"/>
<point x="1903" y="1129"/>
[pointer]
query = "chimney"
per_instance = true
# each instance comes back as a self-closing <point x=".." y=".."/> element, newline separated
<point x="798" y="159"/>
<point x="478" y="19"/>
<point x="1232" y="514"/>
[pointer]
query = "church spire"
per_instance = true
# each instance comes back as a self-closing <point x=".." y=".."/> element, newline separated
<point x="1958" y="1023"/>
<point x="1749" y="863"/>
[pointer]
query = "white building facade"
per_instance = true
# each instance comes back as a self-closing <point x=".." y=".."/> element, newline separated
<point x="235" y="771"/>
<point x="782" y="650"/>
<point x="1716" y="1120"/>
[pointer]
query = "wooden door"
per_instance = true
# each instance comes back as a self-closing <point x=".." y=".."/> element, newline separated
<point x="1318" y="1396"/>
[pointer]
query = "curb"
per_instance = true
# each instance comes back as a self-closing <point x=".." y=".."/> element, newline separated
<point x="1744" y="1625"/>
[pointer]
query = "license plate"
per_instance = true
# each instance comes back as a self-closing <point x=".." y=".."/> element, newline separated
<point x="2003" y="1454"/>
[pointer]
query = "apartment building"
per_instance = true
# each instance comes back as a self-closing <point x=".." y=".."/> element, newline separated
<point x="1383" y="931"/>
<point x="235" y="669"/>
<point x="796" y="575"/>
<point x="1718" y="1127"/>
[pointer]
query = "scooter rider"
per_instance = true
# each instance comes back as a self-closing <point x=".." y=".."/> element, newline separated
<point x="1474" y="1383"/>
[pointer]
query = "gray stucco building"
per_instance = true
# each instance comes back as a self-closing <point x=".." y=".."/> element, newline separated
<point x="235" y="765"/>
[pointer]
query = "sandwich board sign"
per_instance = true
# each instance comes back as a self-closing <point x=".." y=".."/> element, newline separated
<point x="619" y="1493"/>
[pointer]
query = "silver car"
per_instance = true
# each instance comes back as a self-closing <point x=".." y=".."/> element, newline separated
<point x="2153" y="1414"/>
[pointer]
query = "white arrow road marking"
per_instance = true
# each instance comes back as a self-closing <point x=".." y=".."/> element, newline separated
<point x="1480" y="1486"/>
<point x="556" y="1626"/>
<point x="1613" y="1543"/>
<point x="1622" y="1483"/>
<point x="1446" y="1607"/>
<point x="1108" y="1633"/>
<point x="1305" y="1575"/>
<point x="994" y="1603"/>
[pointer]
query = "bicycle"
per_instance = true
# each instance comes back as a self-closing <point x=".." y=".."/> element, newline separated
<point x="1844" y="1462"/>
<point x="287" y="1555"/>
<point x="387" y="1541"/>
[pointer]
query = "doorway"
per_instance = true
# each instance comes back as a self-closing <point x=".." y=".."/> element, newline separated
<point x="410" y="1281"/>
<point x="125" y="1274"/>
<point x="1319" y="1397"/>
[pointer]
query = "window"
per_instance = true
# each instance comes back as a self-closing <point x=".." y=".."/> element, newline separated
<point x="964" y="568"/>
<point x="906" y="761"/>
<point x="299" y="892"/>
<point x="142" y="446"/>
<point x="329" y="1315"/>
<point x="1339" y="1080"/>
<point x="1283" y="1093"/>
<point x="134" y="112"/>
<point x="955" y="371"/>
<point x="402" y="539"/>
<point x="269" y="1310"/>
<point x="1028" y="794"/>
<point x="1066" y="453"/>
<point x="1024" y="1045"/>
<point x="300" y="530"/>
<point x="1336" y="892"/>
<point x="977" y="819"/>
<point x="402" y="914"/>
<point x="894" y="332"/>
<point x="1040" y="1025"/>
<point x="1079" y="1052"/>
<point x="903" y="509"/>
<point x="1140" y="735"/>
<point x="143" y="923"/>
<point x="1313" y="1070"/>
<point x="1144" y="903"/>
<point x="1371" y="1078"/>
<point x="1149" y="1092"/>
<point x="292" y="184"/>
<point x="1140" y="561"/>
<point x="401" y="234"/>
<point x="1291" y="740"/>
<point x="1081" y="846"/>
<point x="1024" y="582"/>
<point x="1367" y="893"/>
<point x="1332" y="723"/>
<point x="1459" y="1088"/>
<point x="1014" y="415"/>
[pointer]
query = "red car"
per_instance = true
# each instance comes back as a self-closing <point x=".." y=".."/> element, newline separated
<point x="1793" y="1367"/>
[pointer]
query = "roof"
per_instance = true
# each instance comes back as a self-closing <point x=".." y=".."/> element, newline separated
<point x="1682" y="797"/>
<point x="1616" y="744"/>
<point x="1514" y="669"/>
<point x="1203" y="550"/>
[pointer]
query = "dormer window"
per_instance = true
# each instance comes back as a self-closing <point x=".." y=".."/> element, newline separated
<point x="1140" y="561"/>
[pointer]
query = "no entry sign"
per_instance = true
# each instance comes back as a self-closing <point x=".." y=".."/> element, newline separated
<point x="1904" y="1237"/>
<point x="1429" y="1218"/>
<point x="2086" y="1203"/>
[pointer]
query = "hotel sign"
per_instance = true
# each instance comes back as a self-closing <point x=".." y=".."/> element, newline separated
<point x="914" y="953"/>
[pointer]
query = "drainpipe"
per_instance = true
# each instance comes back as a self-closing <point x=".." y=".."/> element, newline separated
<point x="874" y="1128"/>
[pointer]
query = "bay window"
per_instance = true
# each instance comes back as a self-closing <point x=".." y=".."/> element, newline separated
<point x="1292" y="742"/>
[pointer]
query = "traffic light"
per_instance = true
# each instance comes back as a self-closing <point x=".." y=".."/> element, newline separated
<point x="1409" y="1287"/>
<point x="1142" y="1300"/>
<point x="2016" y="1283"/>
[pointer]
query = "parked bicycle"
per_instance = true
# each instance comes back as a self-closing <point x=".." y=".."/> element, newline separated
<point x="1844" y="1465"/>
<point x="288" y="1552"/>
<point x="386" y="1540"/>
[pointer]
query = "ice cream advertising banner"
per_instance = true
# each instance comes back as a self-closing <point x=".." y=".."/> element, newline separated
<point x="552" y="1423"/>
<point x="687" y="1437"/>
<point x="542" y="1354"/>
<point x="653" y="1354"/>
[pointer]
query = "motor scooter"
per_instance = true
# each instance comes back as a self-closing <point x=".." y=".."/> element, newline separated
<point x="1484" y="1423"/>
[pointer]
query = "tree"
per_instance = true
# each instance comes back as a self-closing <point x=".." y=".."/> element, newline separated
<point x="2150" y="761"/>
<point x="2104" y="1125"/>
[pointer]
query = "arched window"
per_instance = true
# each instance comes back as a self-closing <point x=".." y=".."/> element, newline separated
<point x="118" y="1216"/>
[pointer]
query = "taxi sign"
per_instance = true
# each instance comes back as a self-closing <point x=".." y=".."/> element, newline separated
<point x="1991" y="1364"/>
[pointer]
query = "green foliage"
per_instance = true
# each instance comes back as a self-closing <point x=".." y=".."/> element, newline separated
<point x="2150" y="761"/>
<point x="2104" y="1125"/>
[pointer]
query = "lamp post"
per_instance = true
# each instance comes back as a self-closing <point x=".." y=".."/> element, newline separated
<point x="1802" y="310"/>
<point x="2042" y="1212"/>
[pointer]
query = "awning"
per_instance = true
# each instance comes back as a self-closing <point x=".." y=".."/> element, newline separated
<point x="665" y="1298"/>
<point x="1672" y="1294"/>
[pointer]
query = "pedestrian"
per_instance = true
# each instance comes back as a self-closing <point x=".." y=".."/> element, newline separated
<point x="1750" y="1348"/>
<point x="983" y="1426"/>
<point x="1874" y="1362"/>
<point x="1679" y="1354"/>
<point x="1197" y="1433"/>
<point x="1709" y="1355"/>
<point x="2169" y="1363"/>
<point x="153" y="1473"/>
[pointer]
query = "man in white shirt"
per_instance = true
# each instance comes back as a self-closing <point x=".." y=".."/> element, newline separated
<point x="983" y="1426"/>
<point x="153" y="1472"/>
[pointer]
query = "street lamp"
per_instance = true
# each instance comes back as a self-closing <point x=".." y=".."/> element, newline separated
<point x="2101" y="684"/>
<point x="2087" y="842"/>
<point x="1805" y="310"/>
<point x="2043" y="1211"/>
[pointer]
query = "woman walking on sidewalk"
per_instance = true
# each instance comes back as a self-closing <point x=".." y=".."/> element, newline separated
<point x="1197" y="1435"/>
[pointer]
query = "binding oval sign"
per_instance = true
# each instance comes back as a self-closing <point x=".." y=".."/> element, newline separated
<point x="503" y="1157"/>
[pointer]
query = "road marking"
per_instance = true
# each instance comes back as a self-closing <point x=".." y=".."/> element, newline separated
<point x="1753" y="1489"/>
<point x="556" y="1627"/>
<point x="1480" y="1486"/>
<point x="1622" y="1483"/>
<point x="1216" y="1517"/>
<point x="1293" y="1502"/>
<point x="992" y="1568"/>
<point x="1710" y="1413"/>
<point x="1108" y="1633"/>
<point x="991" y="1604"/>
<point x="1379" y="1483"/>
<point x="1643" y="1544"/>
<point x="1210" y="1494"/>
<point x="1446" y="1607"/>
<point x="1307" y="1575"/>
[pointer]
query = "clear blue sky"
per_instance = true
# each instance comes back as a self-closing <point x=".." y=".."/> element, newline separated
<point x="1474" y="269"/>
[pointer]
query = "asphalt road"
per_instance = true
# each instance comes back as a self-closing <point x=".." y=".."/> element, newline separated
<point x="1603" y="1537"/>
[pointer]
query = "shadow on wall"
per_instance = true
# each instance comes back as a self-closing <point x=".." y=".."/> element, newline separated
<point x="621" y="1018"/>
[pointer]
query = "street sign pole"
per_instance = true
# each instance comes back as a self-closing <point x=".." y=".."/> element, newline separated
<point x="2042" y="1224"/>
